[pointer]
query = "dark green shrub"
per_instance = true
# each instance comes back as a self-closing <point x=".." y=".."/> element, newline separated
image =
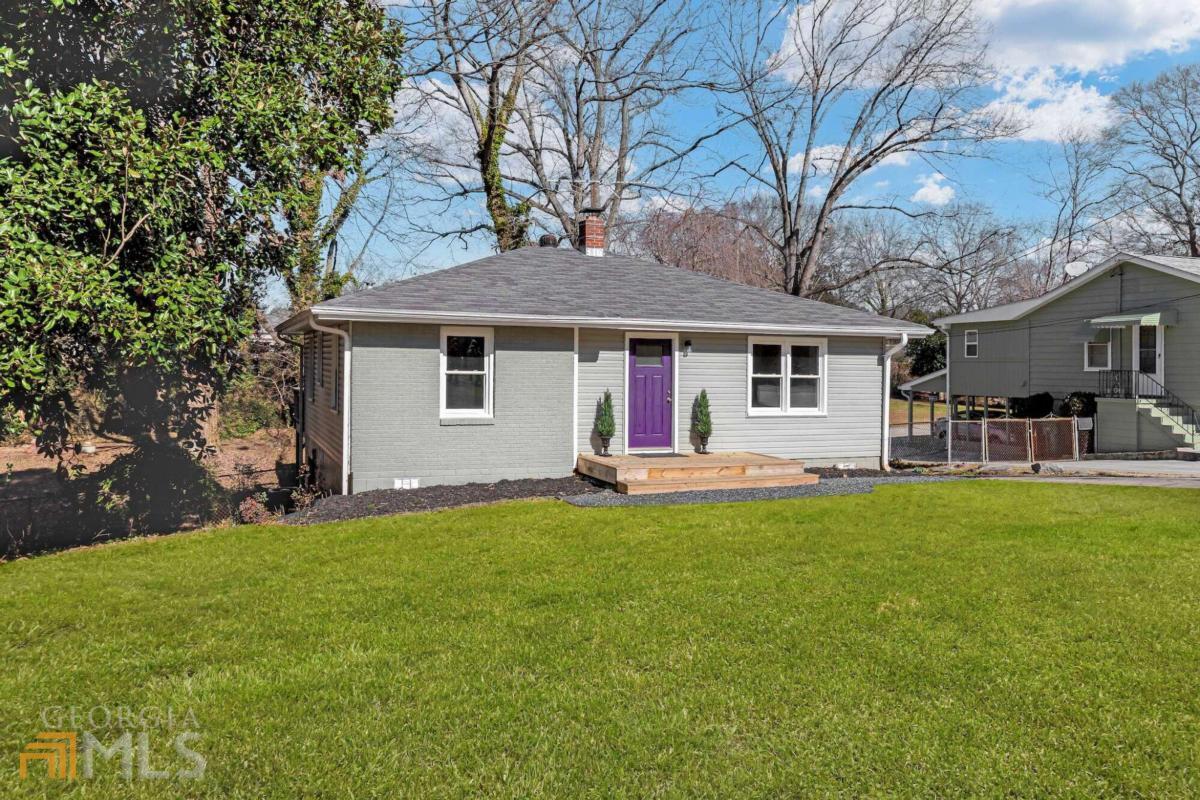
<point x="702" y="416"/>
<point x="1034" y="406"/>
<point x="606" y="426"/>
<point x="1079" y="404"/>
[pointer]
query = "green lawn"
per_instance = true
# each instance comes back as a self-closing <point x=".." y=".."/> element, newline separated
<point x="979" y="639"/>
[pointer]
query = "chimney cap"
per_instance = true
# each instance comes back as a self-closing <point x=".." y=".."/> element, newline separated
<point x="592" y="210"/>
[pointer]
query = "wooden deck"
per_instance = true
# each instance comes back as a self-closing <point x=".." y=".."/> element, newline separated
<point x="685" y="472"/>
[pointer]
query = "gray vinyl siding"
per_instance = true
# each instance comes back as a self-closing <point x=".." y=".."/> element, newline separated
<point x="1002" y="366"/>
<point x="396" y="430"/>
<point x="851" y="429"/>
<point x="1043" y="352"/>
<point x="601" y="367"/>
<point x="322" y="422"/>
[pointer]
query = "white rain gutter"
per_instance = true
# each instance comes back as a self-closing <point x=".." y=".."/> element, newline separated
<point x="886" y="444"/>
<point x="345" y="337"/>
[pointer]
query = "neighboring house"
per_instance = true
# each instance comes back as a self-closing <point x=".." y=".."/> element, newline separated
<point x="1127" y="330"/>
<point x="493" y="369"/>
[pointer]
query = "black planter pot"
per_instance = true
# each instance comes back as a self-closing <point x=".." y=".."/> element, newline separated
<point x="704" y="445"/>
<point x="604" y="441"/>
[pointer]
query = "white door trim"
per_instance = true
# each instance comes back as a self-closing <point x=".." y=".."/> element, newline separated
<point x="1160" y="361"/>
<point x="674" y="337"/>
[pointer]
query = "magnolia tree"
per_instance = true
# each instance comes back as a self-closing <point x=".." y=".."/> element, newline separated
<point x="152" y="160"/>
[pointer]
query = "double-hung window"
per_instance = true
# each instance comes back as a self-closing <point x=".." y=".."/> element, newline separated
<point x="971" y="344"/>
<point x="466" y="372"/>
<point x="786" y="376"/>
<point x="1097" y="355"/>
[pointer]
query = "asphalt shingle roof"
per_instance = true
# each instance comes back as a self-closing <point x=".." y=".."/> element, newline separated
<point x="559" y="282"/>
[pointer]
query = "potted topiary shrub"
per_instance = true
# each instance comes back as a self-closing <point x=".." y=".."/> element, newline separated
<point x="702" y="420"/>
<point x="606" y="426"/>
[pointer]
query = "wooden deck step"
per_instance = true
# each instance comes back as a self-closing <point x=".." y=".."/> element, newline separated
<point x="640" y="474"/>
<point x="660" y="485"/>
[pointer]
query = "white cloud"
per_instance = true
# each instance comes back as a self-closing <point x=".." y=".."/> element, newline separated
<point x="1044" y="48"/>
<point x="934" y="190"/>
<point x="1086" y="35"/>
<point x="1049" y="107"/>
<point x="881" y="184"/>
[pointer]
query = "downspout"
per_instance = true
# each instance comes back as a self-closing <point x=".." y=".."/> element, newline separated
<point x="345" y="337"/>
<point x="886" y="444"/>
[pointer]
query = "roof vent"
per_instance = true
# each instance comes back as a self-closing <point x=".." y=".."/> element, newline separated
<point x="547" y="240"/>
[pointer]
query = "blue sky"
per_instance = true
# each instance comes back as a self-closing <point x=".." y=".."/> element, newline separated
<point x="1058" y="61"/>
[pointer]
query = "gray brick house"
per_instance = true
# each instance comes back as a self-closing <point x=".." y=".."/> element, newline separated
<point x="493" y="369"/>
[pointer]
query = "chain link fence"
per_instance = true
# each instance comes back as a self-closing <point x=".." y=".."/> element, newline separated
<point x="999" y="439"/>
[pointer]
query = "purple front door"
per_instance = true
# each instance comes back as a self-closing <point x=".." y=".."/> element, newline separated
<point x="650" y="393"/>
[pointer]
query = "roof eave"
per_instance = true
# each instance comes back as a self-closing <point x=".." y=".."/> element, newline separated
<point x="1067" y="288"/>
<point x="334" y="314"/>
<point x="296" y="323"/>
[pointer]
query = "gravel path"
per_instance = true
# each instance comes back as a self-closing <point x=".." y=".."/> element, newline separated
<point x="827" y="487"/>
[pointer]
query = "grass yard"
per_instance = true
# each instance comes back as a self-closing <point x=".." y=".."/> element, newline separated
<point x="960" y="639"/>
<point x="899" y="411"/>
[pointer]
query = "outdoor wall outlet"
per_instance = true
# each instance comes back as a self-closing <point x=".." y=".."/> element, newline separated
<point x="406" y="483"/>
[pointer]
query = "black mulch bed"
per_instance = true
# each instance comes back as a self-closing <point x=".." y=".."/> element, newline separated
<point x="381" y="502"/>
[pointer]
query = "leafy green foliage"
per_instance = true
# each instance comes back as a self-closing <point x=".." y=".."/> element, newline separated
<point x="926" y="355"/>
<point x="247" y="408"/>
<point x="606" y="425"/>
<point x="151" y="154"/>
<point x="701" y="416"/>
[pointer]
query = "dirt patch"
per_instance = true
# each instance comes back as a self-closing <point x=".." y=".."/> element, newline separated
<point x="41" y="512"/>
<point x="381" y="502"/>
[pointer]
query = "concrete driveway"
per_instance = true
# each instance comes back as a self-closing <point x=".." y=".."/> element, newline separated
<point x="1164" y="474"/>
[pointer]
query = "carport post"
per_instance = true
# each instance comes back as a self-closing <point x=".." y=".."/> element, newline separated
<point x="909" y="395"/>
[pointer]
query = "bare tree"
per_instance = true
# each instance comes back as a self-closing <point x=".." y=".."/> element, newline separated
<point x="1078" y="182"/>
<point x="1159" y="128"/>
<point x="970" y="256"/>
<point x="873" y="260"/>
<point x="471" y="60"/>
<point x="715" y="241"/>
<point x="900" y="75"/>
<point x="595" y="134"/>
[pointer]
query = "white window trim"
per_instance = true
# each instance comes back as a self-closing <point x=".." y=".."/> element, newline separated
<point x="1087" y="367"/>
<point x="489" y="373"/>
<point x="320" y="359"/>
<point x="785" y="385"/>
<point x="335" y="391"/>
<point x="970" y="337"/>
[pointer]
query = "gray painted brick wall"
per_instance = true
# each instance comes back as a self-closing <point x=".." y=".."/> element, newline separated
<point x="395" y="427"/>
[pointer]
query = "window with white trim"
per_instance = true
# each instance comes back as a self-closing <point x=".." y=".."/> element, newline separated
<point x="1097" y="354"/>
<point x="466" y="372"/>
<point x="786" y="376"/>
<point x="971" y="344"/>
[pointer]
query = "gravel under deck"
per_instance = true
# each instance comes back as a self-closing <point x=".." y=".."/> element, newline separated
<point x="827" y="487"/>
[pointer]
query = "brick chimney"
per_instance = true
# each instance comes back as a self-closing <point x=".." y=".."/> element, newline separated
<point x="590" y="231"/>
